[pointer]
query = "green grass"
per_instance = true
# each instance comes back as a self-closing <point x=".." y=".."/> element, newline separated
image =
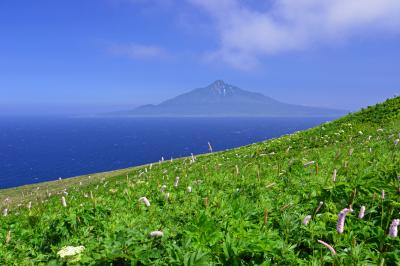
<point x="246" y="206"/>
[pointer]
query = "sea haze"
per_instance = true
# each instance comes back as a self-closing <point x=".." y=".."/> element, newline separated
<point x="42" y="149"/>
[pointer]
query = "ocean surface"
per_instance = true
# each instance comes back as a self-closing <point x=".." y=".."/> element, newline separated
<point x="34" y="150"/>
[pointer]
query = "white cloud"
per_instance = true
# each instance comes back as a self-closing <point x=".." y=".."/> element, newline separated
<point x="139" y="51"/>
<point x="246" y="34"/>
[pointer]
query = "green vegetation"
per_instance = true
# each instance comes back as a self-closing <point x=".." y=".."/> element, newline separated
<point x="246" y="207"/>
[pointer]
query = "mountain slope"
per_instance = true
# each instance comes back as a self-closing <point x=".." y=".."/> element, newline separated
<point x="245" y="206"/>
<point x="221" y="99"/>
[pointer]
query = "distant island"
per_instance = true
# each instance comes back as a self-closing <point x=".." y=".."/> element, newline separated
<point x="220" y="99"/>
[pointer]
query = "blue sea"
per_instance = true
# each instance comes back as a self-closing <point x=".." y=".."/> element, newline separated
<point x="34" y="150"/>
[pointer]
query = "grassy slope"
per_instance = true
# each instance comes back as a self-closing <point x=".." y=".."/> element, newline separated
<point x="246" y="207"/>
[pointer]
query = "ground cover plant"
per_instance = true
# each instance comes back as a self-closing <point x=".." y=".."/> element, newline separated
<point x="324" y="196"/>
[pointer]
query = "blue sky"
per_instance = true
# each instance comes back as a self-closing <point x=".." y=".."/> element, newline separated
<point x="88" y="56"/>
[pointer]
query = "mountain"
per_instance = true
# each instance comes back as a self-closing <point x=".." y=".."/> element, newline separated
<point x="224" y="100"/>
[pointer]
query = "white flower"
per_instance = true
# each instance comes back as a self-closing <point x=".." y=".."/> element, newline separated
<point x="309" y="163"/>
<point x="156" y="234"/>
<point x="63" y="202"/>
<point x="29" y="204"/>
<point x="396" y="142"/>
<point x="70" y="251"/>
<point x="334" y="175"/>
<point x="5" y="212"/>
<point x="319" y="206"/>
<point x="166" y="196"/>
<point x="306" y="219"/>
<point x="362" y="212"/>
<point x="176" y="183"/>
<point x="163" y="187"/>
<point x="145" y="201"/>
<point x="189" y="189"/>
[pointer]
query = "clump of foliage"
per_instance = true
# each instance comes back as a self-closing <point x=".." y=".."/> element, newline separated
<point x="245" y="206"/>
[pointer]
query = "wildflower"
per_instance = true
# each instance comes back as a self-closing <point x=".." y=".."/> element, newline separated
<point x="341" y="220"/>
<point x="189" y="189"/>
<point x="156" y="234"/>
<point x="360" y="133"/>
<point x="328" y="246"/>
<point x="319" y="206"/>
<point x="362" y="212"/>
<point x="393" y="228"/>
<point x="383" y="194"/>
<point x="176" y="183"/>
<point x="145" y="201"/>
<point x="70" y="251"/>
<point x="309" y="163"/>
<point x="63" y="202"/>
<point x="163" y="187"/>
<point x="206" y="202"/>
<point x="210" y="147"/>
<point x="166" y="196"/>
<point x="8" y="237"/>
<point x="396" y="142"/>
<point x="379" y="130"/>
<point x="306" y="219"/>
<point x="334" y="175"/>
<point x="30" y="205"/>
<point x="5" y="212"/>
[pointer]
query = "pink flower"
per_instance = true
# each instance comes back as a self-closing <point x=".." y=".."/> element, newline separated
<point x="393" y="228"/>
<point x="328" y="246"/>
<point x="210" y="147"/>
<point x="341" y="220"/>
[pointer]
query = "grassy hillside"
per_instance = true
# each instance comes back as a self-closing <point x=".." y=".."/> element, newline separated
<point x="246" y="207"/>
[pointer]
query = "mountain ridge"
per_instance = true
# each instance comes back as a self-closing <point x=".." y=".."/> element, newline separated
<point x="220" y="99"/>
